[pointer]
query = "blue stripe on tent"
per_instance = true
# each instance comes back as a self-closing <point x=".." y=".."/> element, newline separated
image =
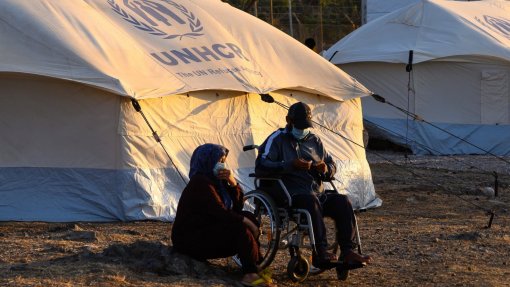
<point x="73" y="194"/>
<point x="492" y="138"/>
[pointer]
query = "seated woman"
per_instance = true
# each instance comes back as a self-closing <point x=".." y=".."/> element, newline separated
<point x="209" y="222"/>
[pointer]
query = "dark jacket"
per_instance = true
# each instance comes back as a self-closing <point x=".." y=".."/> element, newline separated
<point x="202" y="221"/>
<point x="278" y="152"/>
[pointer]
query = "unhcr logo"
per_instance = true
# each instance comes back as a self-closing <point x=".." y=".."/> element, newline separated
<point x="162" y="18"/>
<point x="159" y="18"/>
<point x="498" y="25"/>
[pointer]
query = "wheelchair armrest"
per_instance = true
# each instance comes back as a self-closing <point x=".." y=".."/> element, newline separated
<point x="264" y="177"/>
<point x="330" y="191"/>
<point x="250" y="147"/>
<point x="275" y="179"/>
<point x="334" y="190"/>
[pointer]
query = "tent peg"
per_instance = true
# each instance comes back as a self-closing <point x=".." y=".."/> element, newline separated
<point x="496" y="183"/>
<point x="491" y="213"/>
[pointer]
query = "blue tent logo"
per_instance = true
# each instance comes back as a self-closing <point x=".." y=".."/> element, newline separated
<point x="502" y="25"/>
<point x="159" y="17"/>
<point x="498" y="25"/>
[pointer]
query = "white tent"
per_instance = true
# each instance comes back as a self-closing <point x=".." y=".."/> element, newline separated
<point x="459" y="81"/>
<point x="373" y="9"/>
<point x="73" y="147"/>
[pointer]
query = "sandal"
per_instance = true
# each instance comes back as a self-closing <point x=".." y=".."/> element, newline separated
<point x="354" y="259"/>
<point x="350" y="262"/>
<point x="259" y="282"/>
<point x="264" y="279"/>
<point x="327" y="261"/>
<point x="266" y="274"/>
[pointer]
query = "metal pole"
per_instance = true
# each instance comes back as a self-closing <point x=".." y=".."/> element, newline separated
<point x="363" y="12"/>
<point x="271" y="12"/>
<point x="321" y="32"/>
<point x="290" y="18"/>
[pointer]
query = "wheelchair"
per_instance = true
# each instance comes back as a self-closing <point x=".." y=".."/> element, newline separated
<point x="285" y="227"/>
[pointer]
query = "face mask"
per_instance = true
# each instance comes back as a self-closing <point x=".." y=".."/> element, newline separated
<point x="219" y="166"/>
<point x="300" y="134"/>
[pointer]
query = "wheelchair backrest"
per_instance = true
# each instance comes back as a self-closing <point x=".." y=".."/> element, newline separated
<point x="276" y="189"/>
<point x="272" y="185"/>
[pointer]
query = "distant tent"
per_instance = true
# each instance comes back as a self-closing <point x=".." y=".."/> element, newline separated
<point x="460" y="76"/>
<point x="72" y="145"/>
<point x="377" y="8"/>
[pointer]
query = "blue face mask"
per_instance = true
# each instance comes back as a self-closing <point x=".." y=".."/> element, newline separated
<point x="219" y="166"/>
<point x="300" y="134"/>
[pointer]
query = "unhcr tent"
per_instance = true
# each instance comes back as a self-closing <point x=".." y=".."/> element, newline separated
<point x="374" y="9"/>
<point x="460" y="77"/>
<point x="73" y="74"/>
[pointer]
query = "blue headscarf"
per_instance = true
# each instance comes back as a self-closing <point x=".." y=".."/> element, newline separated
<point x="203" y="160"/>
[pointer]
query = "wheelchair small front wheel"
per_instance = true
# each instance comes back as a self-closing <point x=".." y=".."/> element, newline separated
<point x="298" y="268"/>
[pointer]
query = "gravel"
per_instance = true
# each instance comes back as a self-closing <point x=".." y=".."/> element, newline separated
<point x="478" y="163"/>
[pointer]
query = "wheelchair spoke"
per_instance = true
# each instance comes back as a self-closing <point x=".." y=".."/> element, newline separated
<point x="263" y="208"/>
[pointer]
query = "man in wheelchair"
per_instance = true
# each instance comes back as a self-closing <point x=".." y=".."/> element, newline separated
<point x="298" y="156"/>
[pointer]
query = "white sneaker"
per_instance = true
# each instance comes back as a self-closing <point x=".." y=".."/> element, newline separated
<point x="284" y="243"/>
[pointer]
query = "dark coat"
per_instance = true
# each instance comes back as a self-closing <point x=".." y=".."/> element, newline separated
<point x="203" y="227"/>
<point x="278" y="152"/>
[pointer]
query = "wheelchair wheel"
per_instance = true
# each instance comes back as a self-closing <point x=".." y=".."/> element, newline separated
<point x="298" y="268"/>
<point x="262" y="206"/>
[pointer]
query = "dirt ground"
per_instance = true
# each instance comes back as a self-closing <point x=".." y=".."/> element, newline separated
<point x="426" y="233"/>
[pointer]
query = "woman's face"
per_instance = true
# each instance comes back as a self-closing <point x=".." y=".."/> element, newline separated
<point x="220" y="165"/>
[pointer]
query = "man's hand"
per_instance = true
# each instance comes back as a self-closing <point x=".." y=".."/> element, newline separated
<point x="226" y="174"/>
<point x="302" y="164"/>
<point x="321" y="167"/>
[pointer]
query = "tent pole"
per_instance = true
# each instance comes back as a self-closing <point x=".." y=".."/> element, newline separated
<point x="290" y="19"/>
<point x="410" y="90"/>
<point x="271" y="12"/>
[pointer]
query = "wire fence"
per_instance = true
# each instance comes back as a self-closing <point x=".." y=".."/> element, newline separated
<point x="326" y="24"/>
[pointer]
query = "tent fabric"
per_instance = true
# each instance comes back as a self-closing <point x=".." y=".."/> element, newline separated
<point x="424" y="139"/>
<point x="102" y="164"/>
<point x="73" y="147"/>
<point x="459" y="81"/>
<point x="433" y="29"/>
<point x="176" y="47"/>
<point x="494" y="108"/>
<point x="377" y="8"/>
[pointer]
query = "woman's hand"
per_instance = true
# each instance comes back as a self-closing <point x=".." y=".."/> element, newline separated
<point x="321" y="167"/>
<point x="226" y="174"/>
<point x="253" y="228"/>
